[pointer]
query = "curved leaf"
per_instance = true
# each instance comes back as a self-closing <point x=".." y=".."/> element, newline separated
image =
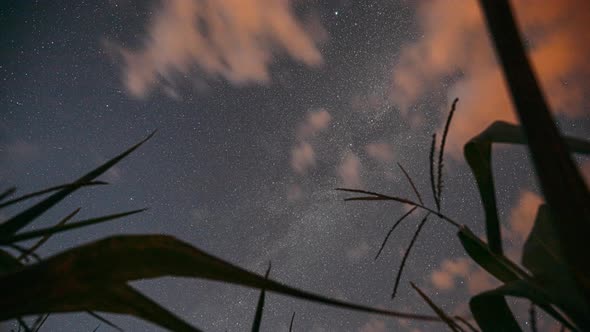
<point x="80" y="278"/>
<point x="22" y="219"/>
<point x="491" y="315"/>
<point x="542" y="255"/>
<point x="478" y="154"/>
<point x="498" y="266"/>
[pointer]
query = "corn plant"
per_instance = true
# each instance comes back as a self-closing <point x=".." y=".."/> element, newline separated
<point x="554" y="274"/>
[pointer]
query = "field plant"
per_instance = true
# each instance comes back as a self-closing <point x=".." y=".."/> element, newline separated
<point x="553" y="275"/>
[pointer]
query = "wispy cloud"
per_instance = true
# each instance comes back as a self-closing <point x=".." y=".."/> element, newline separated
<point x="232" y="39"/>
<point x="349" y="170"/>
<point x="522" y="215"/>
<point x="455" y="48"/>
<point x="461" y="269"/>
<point x="382" y="152"/>
<point x="302" y="153"/>
<point x="302" y="157"/>
<point x="373" y="325"/>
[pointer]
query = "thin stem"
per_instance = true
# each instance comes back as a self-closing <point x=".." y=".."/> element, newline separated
<point x="441" y="152"/>
<point x="393" y="228"/>
<point x="44" y="239"/>
<point x="411" y="184"/>
<point x="378" y="197"/>
<point x="407" y="254"/>
<point x="533" y="317"/>
<point x="466" y="323"/>
<point x="431" y="162"/>
<point x="291" y="324"/>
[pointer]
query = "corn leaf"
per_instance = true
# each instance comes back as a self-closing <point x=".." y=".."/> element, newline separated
<point x="478" y="154"/>
<point x="66" y="227"/>
<point x="94" y="277"/>
<point x="14" y="224"/>
<point x="543" y="257"/>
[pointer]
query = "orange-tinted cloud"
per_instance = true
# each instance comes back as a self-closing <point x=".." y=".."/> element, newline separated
<point x="522" y="215"/>
<point x="233" y="39"/>
<point x="455" y="43"/>
<point x="349" y="171"/>
<point x="450" y="269"/>
<point x="315" y="122"/>
<point x="477" y="280"/>
<point x="373" y="325"/>
<point x="302" y="157"/>
<point x="303" y="154"/>
<point x="382" y="152"/>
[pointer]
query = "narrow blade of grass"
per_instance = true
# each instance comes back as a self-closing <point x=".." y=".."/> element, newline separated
<point x="466" y="323"/>
<point x="291" y="324"/>
<point x="380" y="197"/>
<point x="439" y="312"/>
<point x="432" y="172"/>
<point x="441" y="152"/>
<point x="6" y="193"/>
<point x="48" y="190"/>
<point x="392" y="229"/>
<point x="39" y="243"/>
<point x="104" y="320"/>
<point x="409" y="178"/>
<point x="375" y="196"/>
<point x="260" y="305"/>
<point x="406" y="255"/>
<point x="14" y="224"/>
<point x="39" y="322"/>
<point x="62" y="228"/>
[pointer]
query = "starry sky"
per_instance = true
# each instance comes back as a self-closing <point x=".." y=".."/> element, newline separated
<point x="262" y="108"/>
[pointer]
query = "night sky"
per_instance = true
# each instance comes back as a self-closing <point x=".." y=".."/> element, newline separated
<point x="257" y="124"/>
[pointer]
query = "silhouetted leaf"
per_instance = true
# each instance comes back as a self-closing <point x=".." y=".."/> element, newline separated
<point x="62" y="228"/>
<point x="291" y="324"/>
<point x="94" y="277"/>
<point x="260" y="305"/>
<point x="6" y="193"/>
<point x="543" y="257"/>
<point x="14" y="224"/>
<point x="8" y="262"/>
<point x="491" y="315"/>
<point x="44" y="239"/>
<point x="46" y="191"/>
<point x="478" y="154"/>
<point x="498" y="266"/>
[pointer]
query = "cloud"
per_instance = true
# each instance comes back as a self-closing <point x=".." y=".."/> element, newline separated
<point x="373" y="325"/>
<point x="349" y="170"/>
<point x="20" y="149"/>
<point x="232" y="39"/>
<point x="302" y="157"/>
<point x="382" y="152"/>
<point x="315" y="122"/>
<point x="522" y="215"/>
<point x="357" y="253"/>
<point x="302" y="153"/>
<point x="451" y="270"/>
<point x="455" y="48"/>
